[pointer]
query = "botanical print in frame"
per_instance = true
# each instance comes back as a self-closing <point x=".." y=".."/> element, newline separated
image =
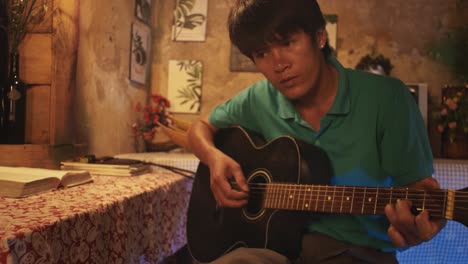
<point x="239" y="62"/>
<point x="189" y="22"/>
<point x="143" y="10"/>
<point x="185" y="85"/>
<point x="139" y="53"/>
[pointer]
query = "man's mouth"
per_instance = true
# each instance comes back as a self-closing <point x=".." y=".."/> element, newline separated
<point x="289" y="81"/>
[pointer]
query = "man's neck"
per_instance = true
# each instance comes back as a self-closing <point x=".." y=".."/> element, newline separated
<point x="322" y="96"/>
<point x="315" y="105"/>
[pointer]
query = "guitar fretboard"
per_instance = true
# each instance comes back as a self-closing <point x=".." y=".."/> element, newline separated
<point x="353" y="200"/>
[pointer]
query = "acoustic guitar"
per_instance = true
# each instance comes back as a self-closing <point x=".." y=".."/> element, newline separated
<point x="288" y="178"/>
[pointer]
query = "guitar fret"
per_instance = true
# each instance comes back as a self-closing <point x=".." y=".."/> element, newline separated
<point x="443" y="213"/>
<point x="347" y="201"/>
<point x="352" y="200"/>
<point x="271" y="195"/>
<point x="294" y="198"/>
<point x="305" y="204"/>
<point x="424" y="201"/>
<point x="299" y="196"/>
<point x="376" y="198"/>
<point x="363" y="200"/>
<point x="288" y="196"/>
<point x="317" y="198"/>
<point x="284" y="197"/>
<point x="342" y="197"/>
<point x="266" y="198"/>
<point x="303" y="197"/>
<point x="391" y="195"/>
<point x="277" y="194"/>
<point x="324" y="199"/>
<point x="333" y="199"/>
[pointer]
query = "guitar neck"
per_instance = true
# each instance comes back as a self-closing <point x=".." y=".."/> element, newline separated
<point x="355" y="200"/>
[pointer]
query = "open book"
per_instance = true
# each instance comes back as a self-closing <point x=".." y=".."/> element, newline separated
<point x="18" y="182"/>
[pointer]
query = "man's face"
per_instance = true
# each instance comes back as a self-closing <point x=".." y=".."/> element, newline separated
<point x="292" y="64"/>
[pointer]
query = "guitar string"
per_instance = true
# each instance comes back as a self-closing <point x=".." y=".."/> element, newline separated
<point x="348" y="206"/>
<point x="357" y="195"/>
<point x="322" y="205"/>
<point x="435" y="210"/>
<point x="429" y="195"/>
<point x="368" y="190"/>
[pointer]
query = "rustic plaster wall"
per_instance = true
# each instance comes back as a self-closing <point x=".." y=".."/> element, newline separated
<point x="105" y="100"/>
<point x="401" y="30"/>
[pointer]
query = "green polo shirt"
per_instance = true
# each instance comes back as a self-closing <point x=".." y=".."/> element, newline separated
<point x="374" y="135"/>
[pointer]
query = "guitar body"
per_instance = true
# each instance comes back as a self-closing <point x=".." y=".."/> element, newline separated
<point x="213" y="232"/>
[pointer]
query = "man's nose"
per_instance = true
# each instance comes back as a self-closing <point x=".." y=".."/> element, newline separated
<point x="279" y="61"/>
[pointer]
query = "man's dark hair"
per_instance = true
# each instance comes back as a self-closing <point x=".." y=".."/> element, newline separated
<point x="254" y="23"/>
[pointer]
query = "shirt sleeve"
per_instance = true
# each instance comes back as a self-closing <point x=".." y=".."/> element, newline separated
<point x="235" y="111"/>
<point x="405" y="148"/>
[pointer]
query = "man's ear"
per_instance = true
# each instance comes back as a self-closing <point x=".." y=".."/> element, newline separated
<point x="322" y="37"/>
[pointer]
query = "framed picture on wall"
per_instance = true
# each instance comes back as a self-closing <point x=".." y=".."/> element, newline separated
<point x="189" y="22"/>
<point x="143" y="11"/>
<point x="238" y="62"/>
<point x="185" y="86"/>
<point x="139" y="53"/>
<point x="420" y="95"/>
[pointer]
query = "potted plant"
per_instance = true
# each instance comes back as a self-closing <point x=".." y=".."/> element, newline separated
<point x="153" y="116"/>
<point x="375" y="63"/>
<point x="452" y="51"/>
<point x="452" y="123"/>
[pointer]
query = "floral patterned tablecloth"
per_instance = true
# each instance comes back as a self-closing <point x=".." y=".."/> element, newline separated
<point x="138" y="219"/>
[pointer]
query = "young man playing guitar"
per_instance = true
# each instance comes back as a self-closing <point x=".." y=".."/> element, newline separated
<point x="369" y="126"/>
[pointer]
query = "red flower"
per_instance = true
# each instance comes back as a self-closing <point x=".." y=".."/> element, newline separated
<point x="154" y="114"/>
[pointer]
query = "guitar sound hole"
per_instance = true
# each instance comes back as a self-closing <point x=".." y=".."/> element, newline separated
<point x="257" y="189"/>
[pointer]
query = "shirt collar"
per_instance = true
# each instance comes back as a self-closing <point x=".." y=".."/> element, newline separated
<point x="341" y="105"/>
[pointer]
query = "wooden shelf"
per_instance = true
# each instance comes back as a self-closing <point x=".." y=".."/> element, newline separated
<point x="47" y="61"/>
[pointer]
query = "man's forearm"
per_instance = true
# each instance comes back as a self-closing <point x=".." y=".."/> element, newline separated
<point x="201" y="140"/>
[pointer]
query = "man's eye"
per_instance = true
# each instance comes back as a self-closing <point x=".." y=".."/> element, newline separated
<point x="286" y="42"/>
<point x="259" y="54"/>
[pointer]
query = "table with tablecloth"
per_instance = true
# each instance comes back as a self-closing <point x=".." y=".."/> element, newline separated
<point x="138" y="219"/>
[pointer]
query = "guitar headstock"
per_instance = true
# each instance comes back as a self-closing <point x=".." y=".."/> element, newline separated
<point x="461" y="207"/>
